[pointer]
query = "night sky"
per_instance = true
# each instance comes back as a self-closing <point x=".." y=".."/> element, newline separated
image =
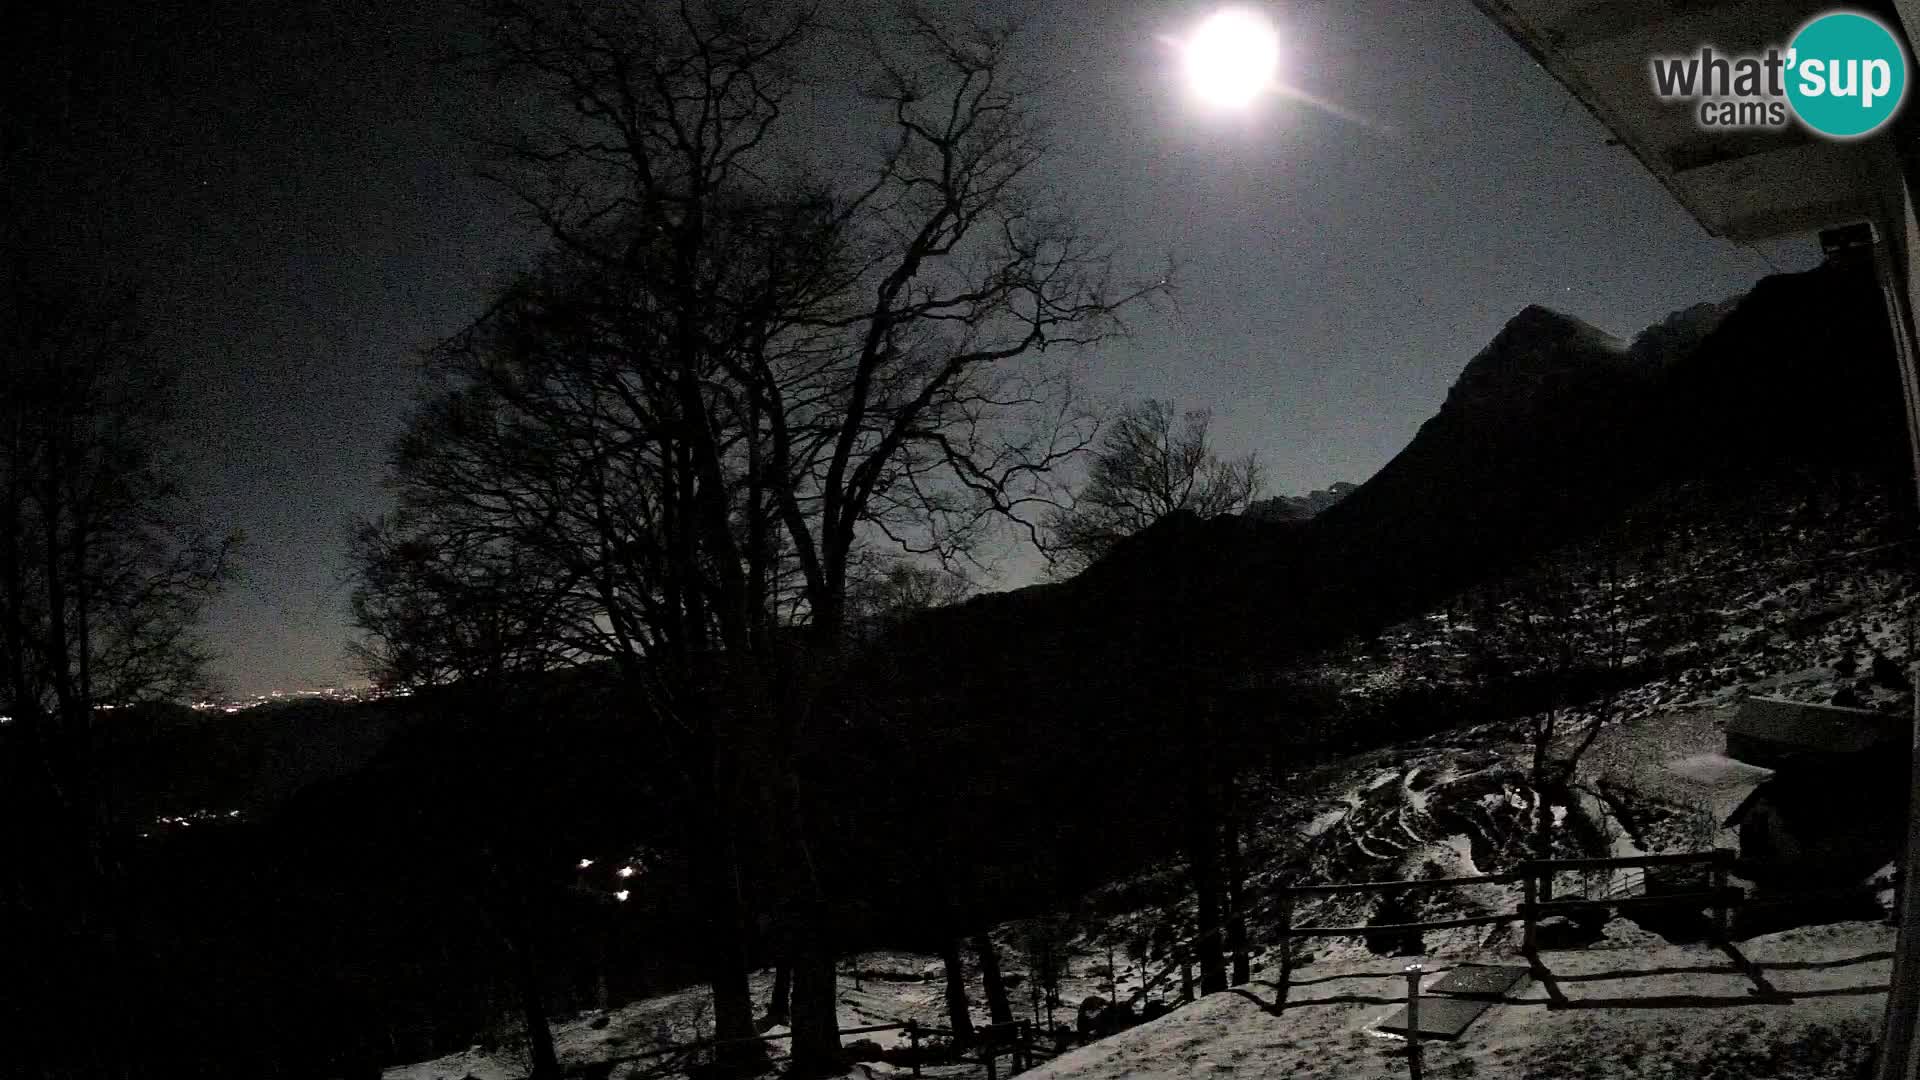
<point x="290" y="185"/>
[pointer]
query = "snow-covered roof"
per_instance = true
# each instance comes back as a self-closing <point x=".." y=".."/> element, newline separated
<point x="1801" y="726"/>
<point x="1744" y="185"/>
<point x="1721" y="782"/>
<point x="1730" y="817"/>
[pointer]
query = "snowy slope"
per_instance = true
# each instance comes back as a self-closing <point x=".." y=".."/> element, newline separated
<point x="1792" y="603"/>
<point x="1646" y="1011"/>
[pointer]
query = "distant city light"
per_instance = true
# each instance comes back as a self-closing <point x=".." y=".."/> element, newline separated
<point x="274" y="697"/>
<point x="183" y="821"/>
<point x="625" y="871"/>
<point x="621" y="896"/>
<point x="583" y="864"/>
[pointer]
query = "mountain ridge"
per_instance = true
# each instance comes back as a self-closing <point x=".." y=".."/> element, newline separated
<point x="1797" y="368"/>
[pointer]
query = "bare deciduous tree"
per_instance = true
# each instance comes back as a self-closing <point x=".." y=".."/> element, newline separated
<point x="730" y="376"/>
<point x="469" y="611"/>
<point x="1150" y="462"/>
<point x="1560" y="630"/>
<point x="105" y="572"/>
<point x="884" y="589"/>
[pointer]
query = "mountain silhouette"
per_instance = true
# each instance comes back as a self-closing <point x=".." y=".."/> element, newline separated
<point x="1553" y="431"/>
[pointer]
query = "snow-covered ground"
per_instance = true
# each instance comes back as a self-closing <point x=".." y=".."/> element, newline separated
<point x="1444" y="807"/>
<point x="1788" y="606"/>
<point x="875" y="988"/>
<point x="1641" y="1011"/>
<point x="1640" y="1008"/>
<point x="1758" y="599"/>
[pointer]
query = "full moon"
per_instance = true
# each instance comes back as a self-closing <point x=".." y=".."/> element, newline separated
<point x="1231" y="58"/>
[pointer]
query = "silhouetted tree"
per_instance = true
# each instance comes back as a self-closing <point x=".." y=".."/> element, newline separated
<point x="780" y="998"/>
<point x="473" y="613"/>
<point x="991" y="981"/>
<point x="1233" y="871"/>
<point x="1548" y="645"/>
<point x="105" y="572"/>
<point x="959" y="1015"/>
<point x="729" y="374"/>
<point x="1149" y="463"/>
<point x="883" y="590"/>
<point x="1043" y="944"/>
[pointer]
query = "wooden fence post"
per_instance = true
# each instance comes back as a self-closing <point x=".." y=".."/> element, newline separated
<point x="913" y="1044"/>
<point x="987" y="1051"/>
<point x="1414" y="971"/>
<point x="1529" y="892"/>
<point x="1720" y="905"/>
<point x="1286" y="940"/>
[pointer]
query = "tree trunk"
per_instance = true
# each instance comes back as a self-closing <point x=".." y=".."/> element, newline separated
<point x="996" y="987"/>
<point x="733" y="1011"/>
<point x="804" y="921"/>
<point x="776" y="703"/>
<point x="816" y="994"/>
<point x="1203" y="861"/>
<point x="780" y="1005"/>
<point x="1545" y="795"/>
<point x="715" y="866"/>
<point x="1236" y="895"/>
<point x="1213" y="968"/>
<point x="545" y="1065"/>
<point x="959" y="1016"/>
<point x="1542" y="804"/>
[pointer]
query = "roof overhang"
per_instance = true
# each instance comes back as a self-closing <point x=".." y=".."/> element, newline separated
<point x="1744" y="185"/>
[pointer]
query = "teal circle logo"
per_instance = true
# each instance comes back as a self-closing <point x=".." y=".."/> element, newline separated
<point x="1847" y="74"/>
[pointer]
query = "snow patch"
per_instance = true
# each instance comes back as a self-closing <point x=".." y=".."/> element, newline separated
<point x="1323" y="821"/>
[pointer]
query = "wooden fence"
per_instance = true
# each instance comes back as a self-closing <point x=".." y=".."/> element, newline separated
<point x="992" y="1041"/>
<point x="1535" y="877"/>
<point x="1718" y="895"/>
<point x="603" y="1066"/>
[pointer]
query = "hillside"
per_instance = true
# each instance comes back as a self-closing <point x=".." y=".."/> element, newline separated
<point x="1644" y="1009"/>
<point x="1556" y="436"/>
<point x="173" y="762"/>
<point x="1298" y="507"/>
<point x="1647" y="1010"/>
<point x="1736" y="471"/>
<point x="1553" y="432"/>
<point x="1714" y="510"/>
